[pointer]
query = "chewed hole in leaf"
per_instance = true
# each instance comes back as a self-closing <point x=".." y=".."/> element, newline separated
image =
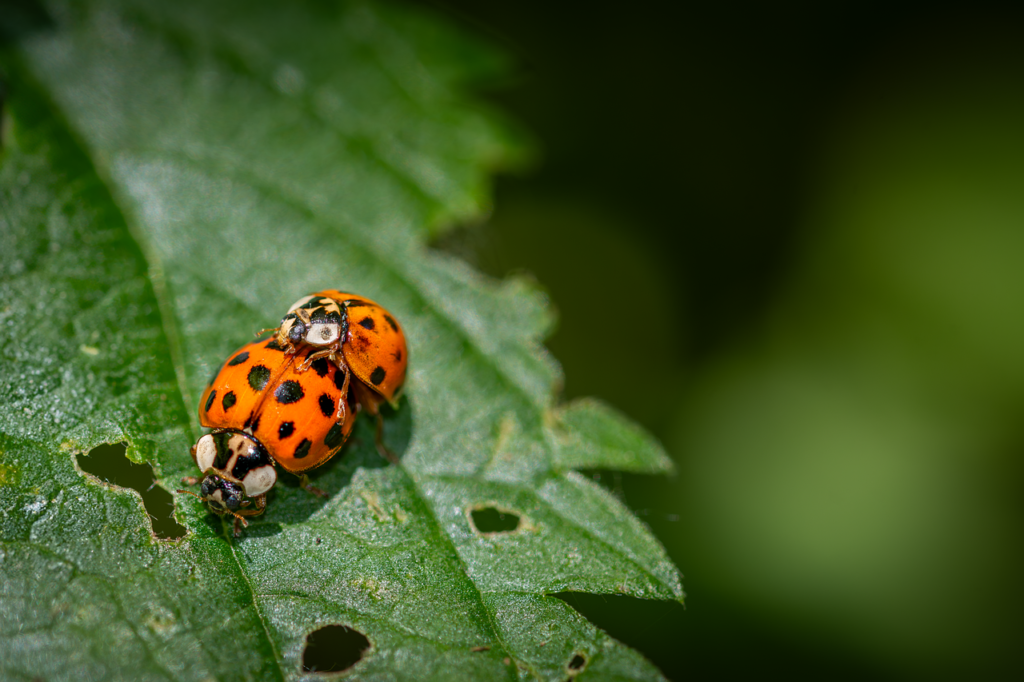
<point x="488" y="520"/>
<point x="637" y="623"/>
<point x="333" y="649"/>
<point x="577" y="663"/>
<point x="109" y="463"/>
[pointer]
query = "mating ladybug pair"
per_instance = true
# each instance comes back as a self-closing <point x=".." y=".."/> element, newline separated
<point x="293" y="399"/>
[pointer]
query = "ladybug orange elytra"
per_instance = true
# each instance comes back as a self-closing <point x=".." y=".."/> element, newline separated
<point x="289" y="400"/>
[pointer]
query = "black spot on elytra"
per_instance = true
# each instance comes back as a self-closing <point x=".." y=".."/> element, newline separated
<point x="326" y="405"/>
<point x="355" y="303"/>
<point x="258" y="377"/>
<point x="332" y="649"/>
<point x="256" y="425"/>
<point x="209" y="401"/>
<point x="366" y="323"/>
<point x="248" y="420"/>
<point x="286" y="429"/>
<point x="391" y="323"/>
<point x="303" y="449"/>
<point x="397" y="355"/>
<point x="320" y="367"/>
<point x="335" y="437"/>
<point x="239" y="359"/>
<point x="289" y="392"/>
<point x="273" y="345"/>
<point x="229" y="400"/>
<point x="339" y="379"/>
<point x="377" y="376"/>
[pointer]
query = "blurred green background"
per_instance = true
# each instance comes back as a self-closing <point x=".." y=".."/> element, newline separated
<point x="809" y="218"/>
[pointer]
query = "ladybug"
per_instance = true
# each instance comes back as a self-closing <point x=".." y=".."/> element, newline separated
<point x="353" y="332"/>
<point x="358" y="336"/>
<point x="263" y="411"/>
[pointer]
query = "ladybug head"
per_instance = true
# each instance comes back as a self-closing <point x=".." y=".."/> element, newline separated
<point x="223" y="496"/>
<point x="294" y="329"/>
<point x="313" y="320"/>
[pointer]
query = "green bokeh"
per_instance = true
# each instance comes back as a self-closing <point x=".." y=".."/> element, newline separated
<point x="848" y="425"/>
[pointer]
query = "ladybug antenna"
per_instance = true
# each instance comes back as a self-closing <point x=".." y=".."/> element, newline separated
<point x="188" y="492"/>
<point x="268" y="329"/>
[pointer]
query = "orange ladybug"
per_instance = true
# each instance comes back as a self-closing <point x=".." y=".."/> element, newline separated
<point x="358" y="336"/>
<point x="263" y="410"/>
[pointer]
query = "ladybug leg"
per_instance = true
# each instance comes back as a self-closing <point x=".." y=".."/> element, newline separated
<point x="343" y="401"/>
<point x="382" y="449"/>
<point x="240" y="520"/>
<point x="338" y="359"/>
<point x="240" y="523"/>
<point x="371" y="402"/>
<point x="306" y="485"/>
<point x="313" y="356"/>
<point x="261" y="504"/>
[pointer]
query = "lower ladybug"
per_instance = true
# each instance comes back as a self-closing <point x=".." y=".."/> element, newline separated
<point x="263" y="411"/>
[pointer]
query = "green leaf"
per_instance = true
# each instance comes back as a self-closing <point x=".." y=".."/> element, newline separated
<point x="173" y="176"/>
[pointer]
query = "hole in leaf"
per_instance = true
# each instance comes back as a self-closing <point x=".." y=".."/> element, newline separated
<point x="333" y="648"/>
<point x="577" y="662"/>
<point x="109" y="463"/>
<point x="494" y="520"/>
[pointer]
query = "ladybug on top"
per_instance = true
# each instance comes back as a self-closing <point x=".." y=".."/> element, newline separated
<point x="355" y="334"/>
<point x="293" y="400"/>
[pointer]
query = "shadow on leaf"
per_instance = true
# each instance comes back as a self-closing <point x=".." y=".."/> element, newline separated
<point x="288" y="503"/>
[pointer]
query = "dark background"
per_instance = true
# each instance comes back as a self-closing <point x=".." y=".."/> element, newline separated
<point x="810" y="217"/>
